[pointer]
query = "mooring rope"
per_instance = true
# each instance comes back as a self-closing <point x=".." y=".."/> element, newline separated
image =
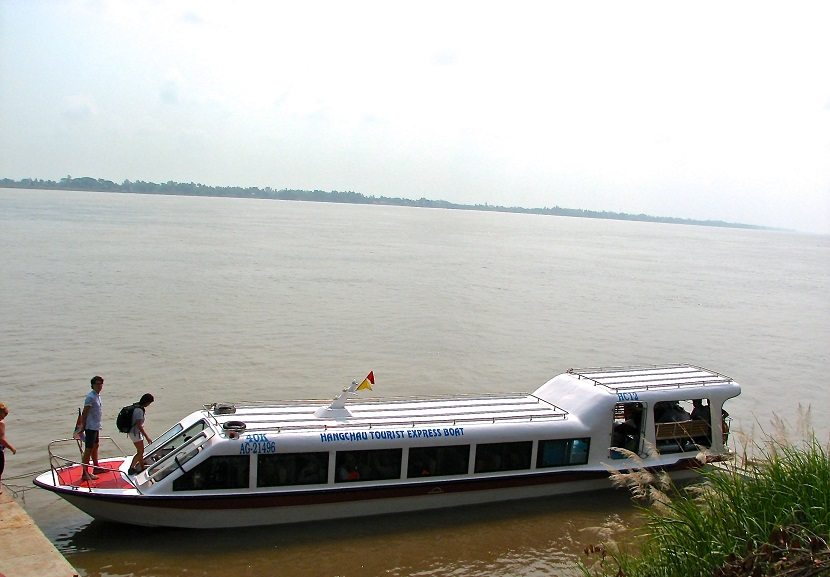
<point x="17" y="491"/>
<point x="26" y="475"/>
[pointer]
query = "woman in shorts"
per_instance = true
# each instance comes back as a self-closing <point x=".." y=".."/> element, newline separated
<point x="138" y="435"/>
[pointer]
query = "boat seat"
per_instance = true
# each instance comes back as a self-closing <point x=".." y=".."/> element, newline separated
<point x="681" y="430"/>
<point x="681" y="436"/>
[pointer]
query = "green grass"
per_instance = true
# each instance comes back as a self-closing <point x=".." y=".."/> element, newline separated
<point x="767" y="516"/>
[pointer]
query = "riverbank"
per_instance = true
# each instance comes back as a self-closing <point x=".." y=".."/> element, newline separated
<point x="763" y="516"/>
<point x="89" y="184"/>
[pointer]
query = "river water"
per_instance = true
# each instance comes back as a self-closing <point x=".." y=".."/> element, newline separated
<point x="215" y="299"/>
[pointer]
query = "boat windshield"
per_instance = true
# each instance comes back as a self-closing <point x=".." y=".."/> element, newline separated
<point x="172" y="440"/>
<point x="162" y="440"/>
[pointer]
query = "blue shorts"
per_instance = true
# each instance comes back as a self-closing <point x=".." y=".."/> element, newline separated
<point x="90" y="438"/>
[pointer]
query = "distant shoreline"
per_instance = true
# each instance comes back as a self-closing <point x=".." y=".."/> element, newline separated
<point x="349" y="197"/>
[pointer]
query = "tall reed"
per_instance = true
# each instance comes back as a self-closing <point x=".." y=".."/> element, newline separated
<point x="750" y="517"/>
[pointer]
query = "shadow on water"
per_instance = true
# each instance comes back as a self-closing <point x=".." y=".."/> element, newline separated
<point x="532" y="537"/>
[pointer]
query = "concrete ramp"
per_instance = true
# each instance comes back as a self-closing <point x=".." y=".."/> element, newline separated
<point x="24" y="549"/>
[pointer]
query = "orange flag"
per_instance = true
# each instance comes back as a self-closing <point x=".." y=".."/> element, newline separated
<point x="367" y="382"/>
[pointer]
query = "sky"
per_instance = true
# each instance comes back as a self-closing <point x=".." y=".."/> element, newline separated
<point x="703" y="110"/>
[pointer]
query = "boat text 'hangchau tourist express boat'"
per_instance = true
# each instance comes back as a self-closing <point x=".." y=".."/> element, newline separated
<point x="235" y="465"/>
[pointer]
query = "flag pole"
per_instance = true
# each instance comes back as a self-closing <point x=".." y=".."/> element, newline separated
<point x="339" y="401"/>
<point x="337" y="407"/>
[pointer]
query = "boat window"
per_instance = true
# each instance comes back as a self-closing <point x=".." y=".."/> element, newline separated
<point x="702" y="411"/>
<point x="673" y="411"/>
<point x="369" y="465"/>
<point x="175" y="438"/>
<point x="276" y="469"/>
<point x="684" y="425"/>
<point x="219" y="472"/>
<point x="163" y="438"/>
<point x="435" y="461"/>
<point x="493" y="457"/>
<point x="560" y="452"/>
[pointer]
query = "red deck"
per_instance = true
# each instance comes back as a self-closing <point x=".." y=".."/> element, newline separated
<point x="110" y="479"/>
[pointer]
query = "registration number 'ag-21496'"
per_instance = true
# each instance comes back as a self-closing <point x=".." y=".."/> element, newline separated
<point x="257" y="443"/>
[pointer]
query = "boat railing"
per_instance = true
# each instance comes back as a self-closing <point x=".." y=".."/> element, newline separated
<point x="651" y="377"/>
<point x="413" y="423"/>
<point x="229" y="408"/>
<point x="639" y="386"/>
<point x="59" y="461"/>
<point x="211" y="415"/>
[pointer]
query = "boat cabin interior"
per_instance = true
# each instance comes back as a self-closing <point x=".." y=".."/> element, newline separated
<point x="678" y="426"/>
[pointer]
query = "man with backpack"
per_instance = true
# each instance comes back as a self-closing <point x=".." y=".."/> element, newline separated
<point x="136" y="431"/>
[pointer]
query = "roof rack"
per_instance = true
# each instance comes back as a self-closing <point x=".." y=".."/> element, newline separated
<point x="415" y="423"/>
<point x="228" y="407"/>
<point x="650" y="376"/>
<point x="398" y="412"/>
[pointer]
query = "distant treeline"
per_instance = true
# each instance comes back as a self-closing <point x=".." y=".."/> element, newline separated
<point x="195" y="189"/>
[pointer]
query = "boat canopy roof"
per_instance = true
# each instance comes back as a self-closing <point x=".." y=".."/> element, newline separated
<point x="587" y="393"/>
<point x="458" y="410"/>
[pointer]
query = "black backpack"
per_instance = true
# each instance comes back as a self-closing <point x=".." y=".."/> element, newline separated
<point x="124" y="421"/>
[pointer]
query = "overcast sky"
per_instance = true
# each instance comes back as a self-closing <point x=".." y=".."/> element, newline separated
<point x="706" y="110"/>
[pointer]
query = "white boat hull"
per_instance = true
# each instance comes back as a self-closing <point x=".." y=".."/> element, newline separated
<point x="227" y="511"/>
